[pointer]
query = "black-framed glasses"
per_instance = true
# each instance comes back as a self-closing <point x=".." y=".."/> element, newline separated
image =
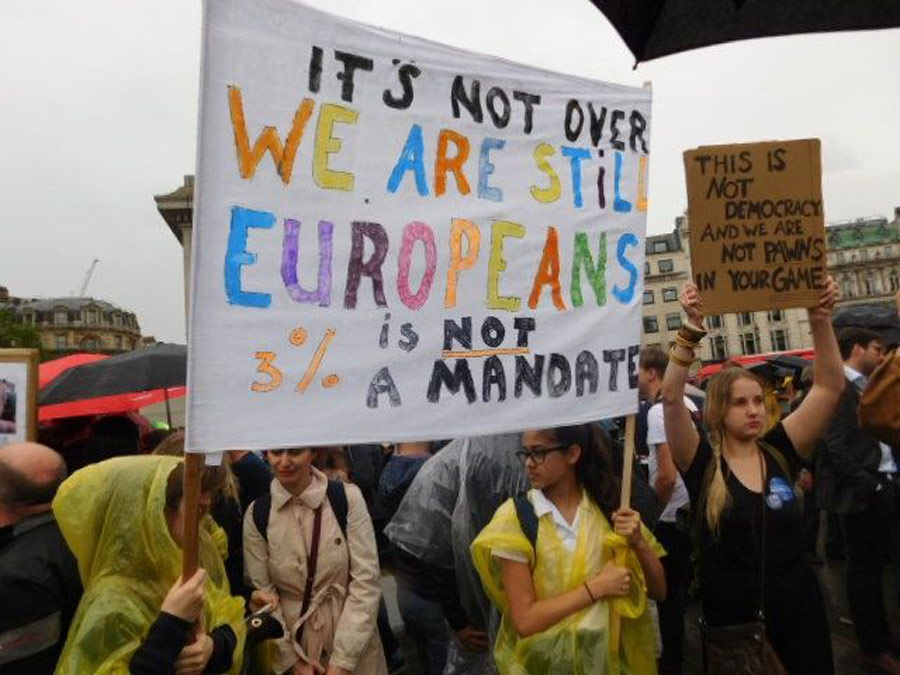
<point x="538" y="456"/>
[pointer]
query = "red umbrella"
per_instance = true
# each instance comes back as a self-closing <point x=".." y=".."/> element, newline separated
<point x="104" y="405"/>
<point x="50" y="370"/>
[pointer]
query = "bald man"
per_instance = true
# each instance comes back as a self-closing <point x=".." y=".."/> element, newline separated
<point x="39" y="583"/>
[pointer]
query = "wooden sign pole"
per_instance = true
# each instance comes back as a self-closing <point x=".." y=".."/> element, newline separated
<point x="627" y="462"/>
<point x="193" y="470"/>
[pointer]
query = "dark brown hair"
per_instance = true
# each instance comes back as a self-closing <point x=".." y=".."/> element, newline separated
<point x="594" y="468"/>
<point x="216" y="480"/>
<point x="655" y="359"/>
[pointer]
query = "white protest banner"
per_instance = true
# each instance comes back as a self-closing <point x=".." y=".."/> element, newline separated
<point x="398" y="240"/>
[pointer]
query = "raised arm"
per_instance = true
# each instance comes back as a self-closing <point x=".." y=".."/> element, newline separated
<point x="808" y="422"/>
<point x="681" y="433"/>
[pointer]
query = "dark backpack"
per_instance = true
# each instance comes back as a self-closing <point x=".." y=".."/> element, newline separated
<point x="337" y="498"/>
<point x="528" y="519"/>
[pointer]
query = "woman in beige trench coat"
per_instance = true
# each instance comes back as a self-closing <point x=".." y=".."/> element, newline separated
<point x="338" y="634"/>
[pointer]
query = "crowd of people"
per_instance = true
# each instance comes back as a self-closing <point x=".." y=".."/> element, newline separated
<point x="512" y="554"/>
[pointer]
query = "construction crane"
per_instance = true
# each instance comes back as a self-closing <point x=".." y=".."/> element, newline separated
<point x="87" y="278"/>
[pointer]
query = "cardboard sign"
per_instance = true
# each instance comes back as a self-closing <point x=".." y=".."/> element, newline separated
<point x="757" y="225"/>
<point x="397" y="240"/>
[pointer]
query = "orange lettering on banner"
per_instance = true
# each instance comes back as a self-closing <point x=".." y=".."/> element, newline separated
<point x="458" y="262"/>
<point x="268" y="139"/>
<point x="443" y="164"/>
<point x="548" y="273"/>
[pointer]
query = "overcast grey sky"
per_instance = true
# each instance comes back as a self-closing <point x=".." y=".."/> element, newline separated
<point x="99" y="114"/>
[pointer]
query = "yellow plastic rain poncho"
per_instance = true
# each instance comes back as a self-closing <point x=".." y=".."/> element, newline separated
<point x="583" y="642"/>
<point x="111" y="515"/>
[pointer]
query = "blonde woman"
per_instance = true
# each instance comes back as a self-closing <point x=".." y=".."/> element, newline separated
<point x="740" y="481"/>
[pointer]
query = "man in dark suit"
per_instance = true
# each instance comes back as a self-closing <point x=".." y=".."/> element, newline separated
<point x="859" y="481"/>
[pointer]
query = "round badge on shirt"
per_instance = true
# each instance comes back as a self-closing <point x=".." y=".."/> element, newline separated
<point x="780" y="493"/>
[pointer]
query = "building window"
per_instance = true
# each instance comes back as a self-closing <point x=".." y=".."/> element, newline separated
<point x="846" y="287"/>
<point x="673" y="321"/>
<point x="895" y="281"/>
<point x="719" y="347"/>
<point x="666" y="266"/>
<point x="660" y="246"/>
<point x="779" y="341"/>
<point x="648" y="297"/>
<point x="670" y="295"/>
<point x="646" y="269"/>
<point x="62" y="342"/>
<point x="776" y="315"/>
<point x="745" y="319"/>
<point x="60" y="318"/>
<point x="90" y="343"/>
<point x="715" y="321"/>
<point x="118" y="342"/>
<point x="749" y="344"/>
<point x="91" y="317"/>
<point x="871" y="284"/>
<point x="650" y="324"/>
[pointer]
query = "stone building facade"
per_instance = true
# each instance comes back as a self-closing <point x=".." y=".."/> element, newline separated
<point x="76" y="324"/>
<point x="863" y="257"/>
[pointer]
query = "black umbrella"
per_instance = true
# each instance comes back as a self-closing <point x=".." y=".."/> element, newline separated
<point x="160" y="366"/>
<point x="654" y="28"/>
<point x="789" y="362"/>
<point x="881" y="318"/>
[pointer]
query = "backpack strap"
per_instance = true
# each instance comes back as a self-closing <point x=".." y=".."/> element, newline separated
<point x="262" y="507"/>
<point x="528" y="520"/>
<point x="337" y="497"/>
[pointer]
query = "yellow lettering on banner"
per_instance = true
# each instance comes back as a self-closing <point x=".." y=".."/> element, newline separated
<point x="267" y="140"/>
<point x="326" y="144"/>
<point x="500" y="229"/>
<point x="642" y="184"/>
<point x="551" y="193"/>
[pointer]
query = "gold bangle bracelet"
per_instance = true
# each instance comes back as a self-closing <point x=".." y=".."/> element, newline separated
<point x="590" y="595"/>
<point x="682" y="341"/>
<point x="684" y="363"/>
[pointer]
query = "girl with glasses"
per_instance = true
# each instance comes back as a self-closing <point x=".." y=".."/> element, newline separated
<point x="570" y="573"/>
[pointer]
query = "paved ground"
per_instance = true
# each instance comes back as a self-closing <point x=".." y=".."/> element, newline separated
<point x="831" y="575"/>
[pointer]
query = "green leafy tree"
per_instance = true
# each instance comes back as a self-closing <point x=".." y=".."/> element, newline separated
<point x="13" y="334"/>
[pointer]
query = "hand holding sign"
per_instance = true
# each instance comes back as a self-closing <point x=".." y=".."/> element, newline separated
<point x="827" y="300"/>
<point x="692" y="304"/>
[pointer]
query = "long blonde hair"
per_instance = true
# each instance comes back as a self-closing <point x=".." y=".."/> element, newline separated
<point x="718" y="400"/>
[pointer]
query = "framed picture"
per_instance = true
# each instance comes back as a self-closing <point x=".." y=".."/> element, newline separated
<point x="18" y="395"/>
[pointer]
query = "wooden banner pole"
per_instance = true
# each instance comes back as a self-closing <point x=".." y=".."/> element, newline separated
<point x="193" y="470"/>
<point x="627" y="462"/>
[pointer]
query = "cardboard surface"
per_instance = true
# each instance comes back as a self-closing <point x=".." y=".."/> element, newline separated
<point x="757" y="226"/>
